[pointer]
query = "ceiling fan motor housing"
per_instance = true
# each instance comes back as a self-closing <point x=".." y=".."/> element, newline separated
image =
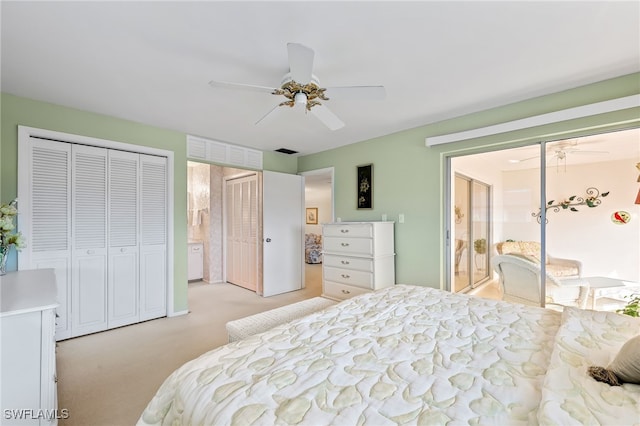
<point x="298" y="93"/>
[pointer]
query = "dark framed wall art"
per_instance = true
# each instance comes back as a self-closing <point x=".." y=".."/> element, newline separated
<point x="365" y="186"/>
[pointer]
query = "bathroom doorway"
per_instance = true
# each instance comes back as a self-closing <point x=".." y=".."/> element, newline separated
<point x="205" y="219"/>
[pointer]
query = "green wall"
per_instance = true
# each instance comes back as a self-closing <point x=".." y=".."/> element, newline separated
<point x="409" y="177"/>
<point x="16" y="111"/>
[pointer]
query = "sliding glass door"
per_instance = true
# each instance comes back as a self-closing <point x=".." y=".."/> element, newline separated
<point x="572" y="199"/>
<point x="471" y="242"/>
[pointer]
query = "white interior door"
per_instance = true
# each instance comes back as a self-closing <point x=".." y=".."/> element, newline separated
<point x="283" y="232"/>
<point x="242" y="231"/>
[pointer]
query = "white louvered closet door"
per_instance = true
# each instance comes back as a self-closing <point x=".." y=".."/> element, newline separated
<point x="242" y="232"/>
<point x="89" y="239"/>
<point x="49" y="233"/>
<point x="153" y="244"/>
<point x="99" y="217"/>
<point x="123" y="253"/>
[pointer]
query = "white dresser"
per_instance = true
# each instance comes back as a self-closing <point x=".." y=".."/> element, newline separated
<point x="28" y="349"/>
<point x="358" y="257"/>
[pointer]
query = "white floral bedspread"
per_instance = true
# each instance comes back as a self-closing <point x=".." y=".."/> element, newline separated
<point x="569" y="395"/>
<point x="403" y="355"/>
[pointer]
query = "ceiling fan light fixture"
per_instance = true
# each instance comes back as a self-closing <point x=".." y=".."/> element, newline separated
<point x="300" y="99"/>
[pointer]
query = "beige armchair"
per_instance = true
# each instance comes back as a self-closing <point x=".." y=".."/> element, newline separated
<point x="555" y="266"/>
<point x="520" y="281"/>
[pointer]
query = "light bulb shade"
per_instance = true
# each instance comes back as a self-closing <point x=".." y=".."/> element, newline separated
<point x="300" y="99"/>
<point x="638" y="197"/>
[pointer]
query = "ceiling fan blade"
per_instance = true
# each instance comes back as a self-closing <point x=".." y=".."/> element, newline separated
<point x="515" y="161"/>
<point x="325" y="115"/>
<point x="300" y="62"/>
<point x="269" y="116"/>
<point x="253" y="88"/>
<point x="367" y="93"/>
<point x="579" y="151"/>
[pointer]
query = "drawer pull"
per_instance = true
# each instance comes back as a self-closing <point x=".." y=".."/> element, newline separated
<point x="345" y="276"/>
<point x="344" y="262"/>
<point x="346" y="292"/>
<point x="344" y="231"/>
<point x="344" y="244"/>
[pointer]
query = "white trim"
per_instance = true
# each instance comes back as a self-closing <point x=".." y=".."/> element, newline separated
<point x="178" y="313"/>
<point x="632" y="101"/>
<point x="202" y="149"/>
<point x="25" y="132"/>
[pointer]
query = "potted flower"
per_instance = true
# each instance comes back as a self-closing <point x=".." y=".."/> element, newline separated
<point x="8" y="237"/>
<point x="632" y="308"/>
<point x="480" y="247"/>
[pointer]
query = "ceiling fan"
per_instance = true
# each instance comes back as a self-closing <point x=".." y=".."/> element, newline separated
<point x="560" y="150"/>
<point x="301" y="89"/>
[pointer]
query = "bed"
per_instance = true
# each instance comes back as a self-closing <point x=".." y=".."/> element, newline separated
<point x="409" y="355"/>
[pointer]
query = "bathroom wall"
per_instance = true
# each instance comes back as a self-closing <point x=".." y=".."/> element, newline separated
<point x="199" y="210"/>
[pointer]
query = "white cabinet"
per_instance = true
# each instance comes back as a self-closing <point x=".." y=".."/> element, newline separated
<point x="196" y="261"/>
<point x="28" y="359"/>
<point x="357" y="257"/>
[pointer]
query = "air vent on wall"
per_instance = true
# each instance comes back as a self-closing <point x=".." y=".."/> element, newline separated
<point x="286" y="151"/>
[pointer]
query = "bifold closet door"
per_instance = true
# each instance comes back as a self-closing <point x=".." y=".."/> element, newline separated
<point x="123" y="253"/>
<point x="99" y="217"/>
<point x="89" y="239"/>
<point x="48" y="206"/>
<point x="153" y="238"/>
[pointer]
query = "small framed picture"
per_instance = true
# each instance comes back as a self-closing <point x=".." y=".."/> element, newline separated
<point x="365" y="186"/>
<point x="312" y="215"/>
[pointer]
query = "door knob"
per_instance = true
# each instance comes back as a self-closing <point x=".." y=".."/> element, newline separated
<point x="268" y="240"/>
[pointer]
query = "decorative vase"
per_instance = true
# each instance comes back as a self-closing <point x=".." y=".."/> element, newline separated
<point x="4" y="253"/>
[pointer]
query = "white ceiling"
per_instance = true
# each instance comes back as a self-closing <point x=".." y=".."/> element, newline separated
<point x="151" y="62"/>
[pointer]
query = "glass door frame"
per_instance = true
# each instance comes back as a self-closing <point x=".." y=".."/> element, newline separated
<point x="471" y="219"/>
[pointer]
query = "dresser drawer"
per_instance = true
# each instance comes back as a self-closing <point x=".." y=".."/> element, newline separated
<point x="348" y="276"/>
<point x="341" y="291"/>
<point x="346" y="262"/>
<point x="364" y="230"/>
<point x="361" y="246"/>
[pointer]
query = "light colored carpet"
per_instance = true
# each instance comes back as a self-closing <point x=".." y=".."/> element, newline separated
<point x="108" y="378"/>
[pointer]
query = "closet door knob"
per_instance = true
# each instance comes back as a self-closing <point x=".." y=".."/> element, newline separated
<point x="344" y="244"/>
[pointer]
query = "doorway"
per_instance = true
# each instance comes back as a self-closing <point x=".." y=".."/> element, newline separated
<point x="250" y="227"/>
<point x="318" y="198"/>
